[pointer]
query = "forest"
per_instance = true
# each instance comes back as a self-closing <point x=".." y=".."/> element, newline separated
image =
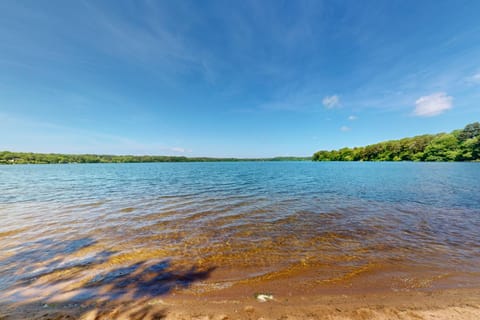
<point x="458" y="145"/>
<point x="7" y="157"/>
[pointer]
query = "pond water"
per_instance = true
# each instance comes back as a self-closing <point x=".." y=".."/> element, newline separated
<point x="146" y="229"/>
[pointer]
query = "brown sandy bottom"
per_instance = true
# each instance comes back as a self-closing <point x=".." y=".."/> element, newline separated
<point x="439" y="304"/>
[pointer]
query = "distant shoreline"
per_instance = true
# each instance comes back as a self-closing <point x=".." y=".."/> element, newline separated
<point x="17" y="158"/>
<point x="11" y="158"/>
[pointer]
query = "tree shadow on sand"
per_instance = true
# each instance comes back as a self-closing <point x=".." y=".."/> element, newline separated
<point x="71" y="279"/>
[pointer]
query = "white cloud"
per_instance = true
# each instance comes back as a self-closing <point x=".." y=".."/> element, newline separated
<point x="345" y="128"/>
<point x="178" y="149"/>
<point x="352" y="118"/>
<point x="432" y="105"/>
<point x="331" y="102"/>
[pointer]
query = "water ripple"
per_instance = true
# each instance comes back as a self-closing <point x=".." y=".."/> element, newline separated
<point x="329" y="222"/>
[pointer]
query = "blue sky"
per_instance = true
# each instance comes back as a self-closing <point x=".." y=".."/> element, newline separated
<point x="233" y="78"/>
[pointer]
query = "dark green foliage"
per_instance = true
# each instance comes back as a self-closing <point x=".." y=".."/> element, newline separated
<point x="7" y="157"/>
<point x="459" y="145"/>
<point x="472" y="130"/>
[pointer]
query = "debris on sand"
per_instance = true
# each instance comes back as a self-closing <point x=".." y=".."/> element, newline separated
<point x="263" y="297"/>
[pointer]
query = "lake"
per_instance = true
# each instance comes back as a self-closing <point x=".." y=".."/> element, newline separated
<point x="75" y="231"/>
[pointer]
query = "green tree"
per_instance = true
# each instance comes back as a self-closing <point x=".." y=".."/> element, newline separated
<point x="443" y="148"/>
<point x="459" y="145"/>
<point x="470" y="131"/>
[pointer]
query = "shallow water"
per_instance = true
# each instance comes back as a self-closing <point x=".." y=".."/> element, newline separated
<point x="112" y="230"/>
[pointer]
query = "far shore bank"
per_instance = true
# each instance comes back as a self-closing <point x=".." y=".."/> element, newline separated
<point x="10" y="158"/>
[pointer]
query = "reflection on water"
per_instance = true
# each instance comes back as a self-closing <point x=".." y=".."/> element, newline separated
<point x="136" y="230"/>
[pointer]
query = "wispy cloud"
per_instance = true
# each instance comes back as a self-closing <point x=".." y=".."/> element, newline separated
<point x="41" y="136"/>
<point x="474" y="79"/>
<point x="352" y="118"/>
<point x="331" y="102"/>
<point x="345" y="128"/>
<point x="432" y="105"/>
<point x="151" y="42"/>
<point x="294" y="98"/>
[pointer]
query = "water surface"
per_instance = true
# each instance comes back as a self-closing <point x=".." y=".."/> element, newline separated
<point x="153" y="228"/>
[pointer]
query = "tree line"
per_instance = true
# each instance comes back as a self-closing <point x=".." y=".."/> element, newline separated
<point x="458" y="145"/>
<point x="7" y="157"/>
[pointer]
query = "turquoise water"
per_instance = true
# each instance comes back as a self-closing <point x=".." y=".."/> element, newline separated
<point x="241" y="221"/>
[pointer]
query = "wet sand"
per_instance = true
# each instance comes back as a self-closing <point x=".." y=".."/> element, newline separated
<point x="154" y="291"/>
<point x="439" y="304"/>
<point x="100" y="287"/>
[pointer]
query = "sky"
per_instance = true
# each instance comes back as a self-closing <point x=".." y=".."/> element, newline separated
<point x="233" y="78"/>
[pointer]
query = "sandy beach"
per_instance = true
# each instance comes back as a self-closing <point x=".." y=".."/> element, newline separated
<point x="439" y="304"/>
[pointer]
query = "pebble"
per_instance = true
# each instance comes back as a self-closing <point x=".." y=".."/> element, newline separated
<point x="249" y="309"/>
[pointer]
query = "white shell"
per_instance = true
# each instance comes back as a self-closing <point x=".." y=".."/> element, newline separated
<point x="264" y="297"/>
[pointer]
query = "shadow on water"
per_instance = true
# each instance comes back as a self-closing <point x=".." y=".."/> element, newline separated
<point x="81" y="282"/>
<point x="43" y="257"/>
